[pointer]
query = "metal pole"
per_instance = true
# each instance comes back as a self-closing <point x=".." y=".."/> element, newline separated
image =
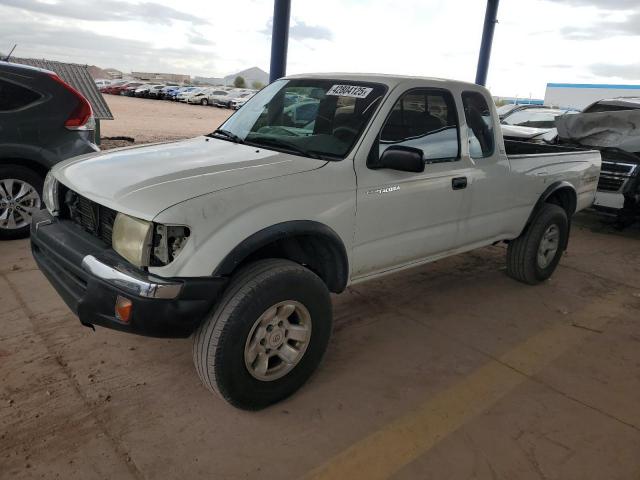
<point x="490" y="20"/>
<point x="279" y="39"/>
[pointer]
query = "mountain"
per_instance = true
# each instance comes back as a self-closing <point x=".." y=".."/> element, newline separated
<point x="250" y="75"/>
<point x="98" y="73"/>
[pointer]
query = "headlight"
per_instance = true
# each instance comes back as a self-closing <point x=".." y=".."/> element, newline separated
<point x="168" y="242"/>
<point x="50" y="194"/>
<point x="131" y="238"/>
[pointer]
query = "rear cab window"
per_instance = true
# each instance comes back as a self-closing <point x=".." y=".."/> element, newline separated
<point x="425" y="119"/>
<point x="479" y="125"/>
<point x="13" y="96"/>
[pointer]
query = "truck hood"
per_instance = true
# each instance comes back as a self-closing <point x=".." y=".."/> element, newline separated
<point x="528" y="133"/>
<point x="142" y="181"/>
<point x="522" y="132"/>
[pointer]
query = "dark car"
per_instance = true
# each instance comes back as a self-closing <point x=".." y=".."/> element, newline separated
<point x="42" y="122"/>
<point x="611" y="125"/>
<point x="616" y="104"/>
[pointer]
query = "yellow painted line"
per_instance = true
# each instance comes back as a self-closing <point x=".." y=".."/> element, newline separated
<point x="384" y="452"/>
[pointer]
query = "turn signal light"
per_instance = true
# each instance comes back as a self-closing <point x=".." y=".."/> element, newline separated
<point x="123" y="309"/>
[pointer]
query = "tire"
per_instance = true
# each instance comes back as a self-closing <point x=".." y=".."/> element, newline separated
<point x="16" y="178"/>
<point x="204" y="101"/>
<point x="224" y="340"/>
<point x="526" y="260"/>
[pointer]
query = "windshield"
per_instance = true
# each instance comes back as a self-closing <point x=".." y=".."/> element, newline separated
<point x="312" y="117"/>
<point x="534" y="117"/>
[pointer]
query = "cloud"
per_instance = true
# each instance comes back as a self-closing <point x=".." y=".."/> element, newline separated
<point x="106" y="10"/>
<point x="628" y="72"/>
<point x="301" y="31"/>
<point x="82" y="46"/>
<point x="605" y="29"/>
<point x="197" y="38"/>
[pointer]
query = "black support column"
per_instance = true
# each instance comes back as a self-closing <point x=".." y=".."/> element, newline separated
<point x="490" y="20"/>
<point x="279" y="39"/>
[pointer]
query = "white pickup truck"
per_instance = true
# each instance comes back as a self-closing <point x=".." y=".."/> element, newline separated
<point x="237" y="237"/>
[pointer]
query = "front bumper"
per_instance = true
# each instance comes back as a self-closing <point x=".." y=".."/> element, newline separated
<point x="89" y="276"/>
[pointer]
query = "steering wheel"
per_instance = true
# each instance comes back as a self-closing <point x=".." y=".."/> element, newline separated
<point x="345" y="134"/>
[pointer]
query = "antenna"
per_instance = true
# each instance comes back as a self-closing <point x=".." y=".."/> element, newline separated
<point x="8" y="56"/>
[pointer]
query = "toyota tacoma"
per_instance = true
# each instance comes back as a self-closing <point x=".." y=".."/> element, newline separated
<point x="237" y="238"/>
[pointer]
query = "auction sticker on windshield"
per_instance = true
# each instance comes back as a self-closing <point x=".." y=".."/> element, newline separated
<point x="349" y="91"/>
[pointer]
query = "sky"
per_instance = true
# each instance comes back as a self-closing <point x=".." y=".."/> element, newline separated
<point x="535" y="42"/>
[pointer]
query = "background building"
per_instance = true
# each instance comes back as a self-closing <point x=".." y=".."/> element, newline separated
<point x="580" y="95"/>
<point x="518" y="101"/>
<point x="162" y="77"/>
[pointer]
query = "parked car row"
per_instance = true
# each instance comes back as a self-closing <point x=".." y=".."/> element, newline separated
<point x="227" y="97"/>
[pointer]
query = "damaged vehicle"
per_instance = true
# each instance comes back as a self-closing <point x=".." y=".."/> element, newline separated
<point x="237" y="238"/>
<point x="613" y="127"/>
<point x="532" y="124"/>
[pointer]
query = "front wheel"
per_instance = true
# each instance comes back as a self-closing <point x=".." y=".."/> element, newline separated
<point x="204" y="101"/>
<point x="266" y="336"/>
<point x="534" y="255"/>
<point x="20" y="198"/>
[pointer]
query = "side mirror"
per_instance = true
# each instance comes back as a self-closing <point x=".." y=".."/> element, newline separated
<point x="405" y="159"/>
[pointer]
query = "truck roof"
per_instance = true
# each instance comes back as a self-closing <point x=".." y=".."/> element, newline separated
<point x="385" y="79"/>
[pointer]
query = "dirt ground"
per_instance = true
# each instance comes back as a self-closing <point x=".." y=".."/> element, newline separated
<point x="447" y="371"/>
<point x="147" y="120"/>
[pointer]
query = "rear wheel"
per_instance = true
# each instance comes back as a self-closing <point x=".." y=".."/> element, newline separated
<point x="534" y="255"/>
<point x="266" y="336"/>
<point x="204" y="101"/>
<point x="20" y="198"/>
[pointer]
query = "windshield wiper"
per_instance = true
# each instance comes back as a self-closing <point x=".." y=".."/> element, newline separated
<point x="290" y="146"/>
<point x="226" y="133"/>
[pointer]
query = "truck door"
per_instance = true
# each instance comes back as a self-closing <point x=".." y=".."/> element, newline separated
<point x="405" y="217"/>
<point x="491" y="205"/>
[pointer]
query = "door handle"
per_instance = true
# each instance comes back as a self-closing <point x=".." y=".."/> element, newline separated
<point x="459" y="183"/>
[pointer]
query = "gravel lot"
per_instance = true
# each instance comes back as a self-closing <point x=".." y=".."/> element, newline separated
<point x="149" y="120"/>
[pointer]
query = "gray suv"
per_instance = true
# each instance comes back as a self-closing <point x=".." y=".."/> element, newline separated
<point x="42" y="122"/>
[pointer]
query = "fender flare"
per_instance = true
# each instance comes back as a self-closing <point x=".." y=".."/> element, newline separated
<point x="25" y="155"/>
<point x="550" y="190"/>
<point x="284" y="230"/>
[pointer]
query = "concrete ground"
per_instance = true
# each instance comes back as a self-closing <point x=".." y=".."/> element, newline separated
<point x="447" y="371"/>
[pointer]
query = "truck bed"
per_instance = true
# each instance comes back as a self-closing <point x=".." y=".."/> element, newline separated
<point x="557" y="163"/>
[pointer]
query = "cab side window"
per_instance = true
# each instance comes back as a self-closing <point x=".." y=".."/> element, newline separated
<point x="479" y="125"/>
<point x="425" y="119"/>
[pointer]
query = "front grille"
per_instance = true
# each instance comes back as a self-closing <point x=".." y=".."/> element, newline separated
<point x="621" y="168"/>
<point x="614" y="175"/>
<point x="610" y="183"/>
<point x="91" y="216"/>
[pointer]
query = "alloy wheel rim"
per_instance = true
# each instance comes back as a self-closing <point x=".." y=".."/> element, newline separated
<point x="278" y="340"/>
<point x="548" y="246"/>
<point x="19" y="200"/>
